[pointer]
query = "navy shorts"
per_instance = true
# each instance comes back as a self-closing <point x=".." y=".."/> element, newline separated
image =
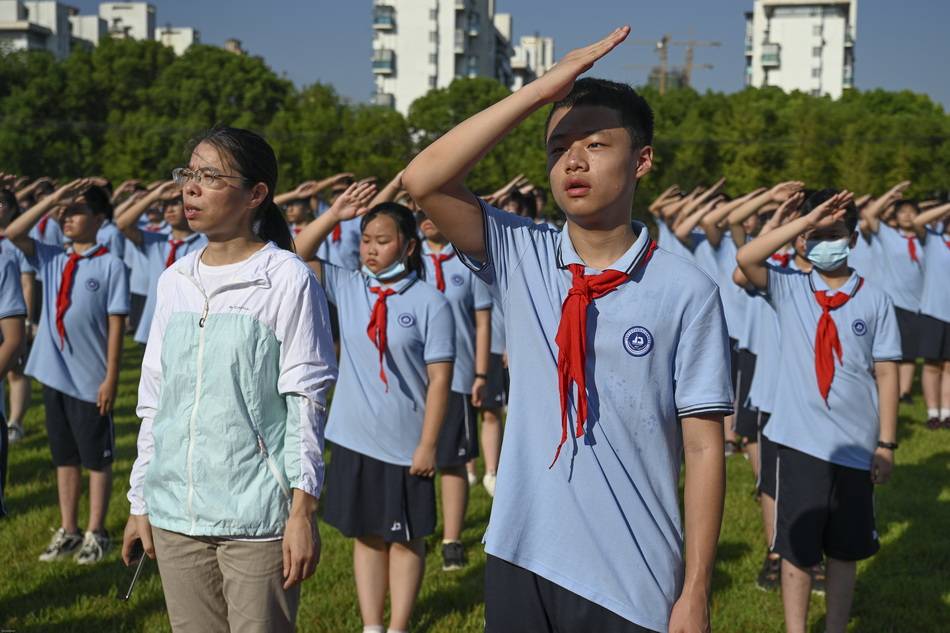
<point x="746" y="419"/>
<point x="78" y="433"/>
<point x="458" y="438"/>
<point x="517" y="601"/>
<point x="912" y="326"/>
<point x="496" y="386"/>
<point x="822" y="508"/>
<point x="934" y="338"/>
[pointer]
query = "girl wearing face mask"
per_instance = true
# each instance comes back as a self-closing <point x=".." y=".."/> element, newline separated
<point x="397" y="346"/>
<point x="232" y="398"/>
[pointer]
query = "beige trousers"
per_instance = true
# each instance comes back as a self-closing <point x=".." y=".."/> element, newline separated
<point x="215" y="585"/>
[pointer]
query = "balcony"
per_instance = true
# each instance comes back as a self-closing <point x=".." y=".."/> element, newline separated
<point x="459" y="41"/>
<point x="384" y="99"/>
<point x="384" y="18"/>
<point x="771" y="55"/>
<point x="748" y="45"/>
<point x="459" y="5"/>
<point x="384" y="62"/>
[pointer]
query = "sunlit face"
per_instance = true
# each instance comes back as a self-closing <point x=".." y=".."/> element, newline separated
<point x="592" y="165"/>
<point x="225" y="212"/>
<point x="382" y="244"/>
<point x="79" y="223"/>
<point x="905" y="215"/>
<point x="298" y="212"/>
<point x="752" y="224"/>
<point x="174" y="215"/>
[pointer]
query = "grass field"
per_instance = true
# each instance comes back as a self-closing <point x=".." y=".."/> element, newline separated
<point x="905" y="588"/>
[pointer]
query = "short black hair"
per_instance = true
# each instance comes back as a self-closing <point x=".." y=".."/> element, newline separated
<point x="636" y="115"/>
<point x="820" y="196"/>
<point x="907" y="202"/>
<point x="98" y="201"/>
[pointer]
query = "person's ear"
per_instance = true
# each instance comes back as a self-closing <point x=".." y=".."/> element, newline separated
<point x="854" y="240"/>
<point x="411" y="247"/>
<point x="644" y="162"/>
<point x="258" y="195"/>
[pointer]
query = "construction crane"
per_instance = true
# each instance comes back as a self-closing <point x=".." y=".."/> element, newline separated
<point x="662" y="47"/>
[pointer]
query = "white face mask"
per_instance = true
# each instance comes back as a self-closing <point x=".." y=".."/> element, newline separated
<point x="828" y="255"/>
<point x="392" y="271"/>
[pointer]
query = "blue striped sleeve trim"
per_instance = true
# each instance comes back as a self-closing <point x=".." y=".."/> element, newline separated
<point x="712" y="407"/>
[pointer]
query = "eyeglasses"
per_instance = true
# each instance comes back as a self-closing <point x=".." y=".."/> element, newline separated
<point x="203" y="178"/>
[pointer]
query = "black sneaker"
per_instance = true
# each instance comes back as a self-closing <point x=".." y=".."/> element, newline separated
<point x="818" y="578"/>
<point x="907" y="399"/>
<point x="770" y="576"/>
<point x="453" y="556"/>
<point x="62" y="545"/>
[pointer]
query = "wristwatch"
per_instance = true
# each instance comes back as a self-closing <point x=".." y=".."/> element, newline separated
<point x="888" y="445"/>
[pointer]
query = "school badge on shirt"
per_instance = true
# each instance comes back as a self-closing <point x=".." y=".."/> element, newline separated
<point x="638" y="341"/>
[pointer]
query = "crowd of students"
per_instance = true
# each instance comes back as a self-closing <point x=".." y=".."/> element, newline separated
<point x="784" y="323"/>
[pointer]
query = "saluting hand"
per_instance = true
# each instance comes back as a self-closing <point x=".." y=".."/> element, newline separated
<point x="830" y="211"/>
<point x="353" y="202"/>
<point x="556" y="84"/>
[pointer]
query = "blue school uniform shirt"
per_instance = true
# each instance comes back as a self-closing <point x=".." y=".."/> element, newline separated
<point x="845" y="430"/>
<point x="11" y="305"/>
<point x="364" y="416"/>
<point x="466" y="294"/>
<point x="899" y="276"/>
<point x="604" y="521"/>
<point x="136" y="264"/>
<point x="935" y="296"/>
<point x="111" y="237"/>
<point x="52" y="234"/>
<point x="497" y="325"/>
<point x="768" y="362"/>
<point x="9" y="248"/>
<point x="346" y="252"/>
<point x="722" y="261"/>
<point x="100" y="289"/>
<point x="151" y="256"/>
<point x="861" y="258"/>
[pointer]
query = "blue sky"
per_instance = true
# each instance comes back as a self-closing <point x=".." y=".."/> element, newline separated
<point x="900" y="45"/>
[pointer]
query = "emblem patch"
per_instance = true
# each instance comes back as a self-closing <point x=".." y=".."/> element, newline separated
<point x="638" y="341"/>
<point x="92" y="285"/>
<point x="859" y="327"/>
<point x="406" y="320"/>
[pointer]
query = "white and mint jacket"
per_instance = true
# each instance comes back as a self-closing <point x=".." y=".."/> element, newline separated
<point x="233" y="398"/>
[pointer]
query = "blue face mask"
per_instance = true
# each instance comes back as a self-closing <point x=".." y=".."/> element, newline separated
<point x="396" y="269"/>
<point x="828" y="255"/>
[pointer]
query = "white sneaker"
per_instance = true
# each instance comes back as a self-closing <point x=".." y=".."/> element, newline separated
<point x="94" y="547"/>
<point x="472" y="479"/>
<point x="62" y="545"/>
<point x="15" y="433"/>
<point x="489" y="482"/>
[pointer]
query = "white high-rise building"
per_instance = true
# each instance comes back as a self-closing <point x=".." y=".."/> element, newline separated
<point x="89" y="29"/>
<point x="533" y="56"/>
<point x="423" y="44"/>
<point x="134" y="20"/>
<point x="805" y="45"/>
<point x="178" y="37"/>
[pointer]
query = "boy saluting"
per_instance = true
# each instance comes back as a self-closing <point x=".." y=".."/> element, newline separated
<point x="619" y="361"/>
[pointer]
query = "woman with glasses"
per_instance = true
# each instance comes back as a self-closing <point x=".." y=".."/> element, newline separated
<point x="232" y="398"/>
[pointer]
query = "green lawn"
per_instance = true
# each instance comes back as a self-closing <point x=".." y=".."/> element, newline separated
<point x="906" y="587"/>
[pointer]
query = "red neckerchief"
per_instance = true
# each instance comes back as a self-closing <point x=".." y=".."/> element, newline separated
<point x="337" y="233"/>
<point x="827" y="343"/>
<point x="437" y="260"/>
<point x="571" y="337"/>
<point x="44" y="221"/>
<point x="64" y="297"/>
<point x="376" y="330"/>
<point x="782" y="258"/>
<point x="912" y="247"/>
<point x="173" y="251"/>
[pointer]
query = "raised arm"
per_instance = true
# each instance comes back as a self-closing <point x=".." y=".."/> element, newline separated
<point x="779" y="193"/>
<point x="18" y="230"/>
<point x="686" y="226"/>
<point x="698" y="201"/>
<point x="390" y="191"/>
<point x="712" y="222"/>
<point x="872" y="214"/>
<point x="350" y="204"/>
<point x="436" y="177"/>
<point x="127" y="222"/>
<point x="663" y="198"/>
<point x="752" y="257"/>
<point x="932" y="214"/>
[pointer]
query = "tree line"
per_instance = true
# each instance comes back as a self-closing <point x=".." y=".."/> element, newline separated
<point x="127" y="109"/>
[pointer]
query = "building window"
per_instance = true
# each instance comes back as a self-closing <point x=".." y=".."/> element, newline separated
<point x="816" y="73"/>
<point x="433" y="58"/>
<point x="433" y="14"/>
<point x="817" y="30"/>
<point x="432" y="81"/>
<point x="816" y="51"/>
<point x="433" y="36"/>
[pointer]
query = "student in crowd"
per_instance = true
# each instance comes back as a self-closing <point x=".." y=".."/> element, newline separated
<point x="109" y="235"/>
<point x="471" y="303"/>
<point x="934" y="224"/>
<point x="76" y="357"/>
<point x="899" y="264"/>
<point x="298" y="214"/>
<point x="591" y="540"/>
<point x="19" y="384"/>
<point x="157" y="251"/>
<point x="494" y="401"/>
<point x="835" y="417"/>
<point x="398" y="345"/>
<point x="12" y="337"/>
<point x="233" y="395"/>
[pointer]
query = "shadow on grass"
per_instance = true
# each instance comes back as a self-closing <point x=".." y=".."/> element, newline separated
<point x="460" y="597"/>
<point x="77" y="584"/>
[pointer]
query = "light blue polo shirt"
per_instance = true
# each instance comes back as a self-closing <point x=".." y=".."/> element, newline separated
<point x="861" y="258"/>
<point x="111" y="237"/>
<point x="100" y="289"/>
<point x="11" y="305"/>
<point x="151" y="259"/>
<point x="767" y="344"/>
<point x="845" y="430"/>
<point x="53" y="233"/>
<point x="346" y="252"/>
<point x="897" y="275"/>
<point x="604" y="522"/>
<point x="935" y="297"/>
<point x="365" y="417"/>
<point x="497" y="325"/>
<point x="9" y="248"/>
<point x="466" y="294"/>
